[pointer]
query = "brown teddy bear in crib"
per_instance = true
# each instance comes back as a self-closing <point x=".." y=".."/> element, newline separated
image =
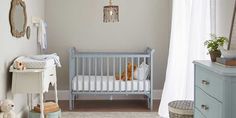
<point x="129" y="73"/>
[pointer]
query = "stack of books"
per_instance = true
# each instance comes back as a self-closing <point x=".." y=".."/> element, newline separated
<point x="48" y="107"/>
<point x="226" y="61"/>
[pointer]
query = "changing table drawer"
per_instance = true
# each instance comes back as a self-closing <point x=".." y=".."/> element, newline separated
<point x="23" y="81"/>
<point x="33" y="80"/>
<point x="208" y="106"/>
<point x="209" y="82"/>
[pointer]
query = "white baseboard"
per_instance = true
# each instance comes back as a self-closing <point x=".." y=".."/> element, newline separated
<point x="64" y="95"/>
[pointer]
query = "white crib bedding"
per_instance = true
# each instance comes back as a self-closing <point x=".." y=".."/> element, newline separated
<point x="34" y="64"/>
<point x="104" y="84"/>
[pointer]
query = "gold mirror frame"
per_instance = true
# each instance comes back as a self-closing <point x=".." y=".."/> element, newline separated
<point x="14" y="31"/>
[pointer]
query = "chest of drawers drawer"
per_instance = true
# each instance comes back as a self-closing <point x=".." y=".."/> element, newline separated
<point x="209" y="82"/>
<point x="198" y="114"/>
<point x="208" y="106"/>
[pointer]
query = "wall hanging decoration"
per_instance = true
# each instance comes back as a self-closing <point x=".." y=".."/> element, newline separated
<point x="110" y="13"/>
<point x="18" y="18"/>
<point x="28" y="30"/>
<point x="232" y="37"/>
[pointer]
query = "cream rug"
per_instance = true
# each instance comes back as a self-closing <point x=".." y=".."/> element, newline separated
<point x="110" y="115"/>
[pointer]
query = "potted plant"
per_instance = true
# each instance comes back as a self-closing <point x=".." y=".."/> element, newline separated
<point x="213" y="46"/>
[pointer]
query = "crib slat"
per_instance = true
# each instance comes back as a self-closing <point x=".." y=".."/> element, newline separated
<point x="138" y="74"/>
<point x="83" y="74"/>
<point x="132" y="84"/>
<point x="101" y="74"/>
<point x="95" y="59"/>
<point x="89" y="64"/>
<point x="126" y="74"/>
<point x="107" y="74"/>
<point x="120" y="72"/>
<point x="114" y="73"/>
<point x="144" y="79"/>
<point x="77" y="77"/>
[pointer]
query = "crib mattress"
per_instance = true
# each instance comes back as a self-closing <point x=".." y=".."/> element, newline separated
<point x="105" y="83"/>
<point x="35" y="64"/>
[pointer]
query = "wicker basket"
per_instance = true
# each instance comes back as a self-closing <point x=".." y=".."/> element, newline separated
<point x="181" y="109"/>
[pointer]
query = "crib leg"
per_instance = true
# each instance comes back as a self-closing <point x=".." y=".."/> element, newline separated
<point x="151" y="104"/>
<point x="74" y="100"/>
<point x="148" y="102"/>
<point x="70" y="102"/>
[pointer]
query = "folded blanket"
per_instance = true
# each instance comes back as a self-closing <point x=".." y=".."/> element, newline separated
<point x="46" y="57"/>
<point x="38" y="61"/>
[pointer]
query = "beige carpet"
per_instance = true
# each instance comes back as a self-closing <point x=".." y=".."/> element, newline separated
<point x="109" y="115"/>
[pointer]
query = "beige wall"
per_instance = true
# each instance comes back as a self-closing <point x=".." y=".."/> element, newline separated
<point x="79" y="23"/>
<point x="11" y="47"/>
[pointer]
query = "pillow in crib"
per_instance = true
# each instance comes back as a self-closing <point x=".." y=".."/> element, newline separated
<point x="141" y="73"/>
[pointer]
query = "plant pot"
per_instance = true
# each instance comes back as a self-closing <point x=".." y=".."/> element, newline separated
<point x="214" y="55"/>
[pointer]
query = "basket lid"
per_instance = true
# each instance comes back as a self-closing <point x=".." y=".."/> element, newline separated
<point x="181" y="107"/>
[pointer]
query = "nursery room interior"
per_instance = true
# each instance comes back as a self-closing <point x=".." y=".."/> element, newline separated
<point x="117" y="58"/>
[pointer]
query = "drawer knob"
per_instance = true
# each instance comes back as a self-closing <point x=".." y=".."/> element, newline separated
<point x="51" y="74"/>
<point x="204" y="82"/>
<point x="205" y="107"/>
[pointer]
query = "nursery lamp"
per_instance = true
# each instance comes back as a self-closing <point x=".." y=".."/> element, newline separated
<point x="110" y="13"/>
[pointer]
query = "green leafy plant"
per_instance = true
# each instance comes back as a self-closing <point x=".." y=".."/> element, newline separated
<point x="215" y="42"/>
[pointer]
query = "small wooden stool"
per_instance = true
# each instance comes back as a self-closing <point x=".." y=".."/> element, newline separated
<point x="181" y="109"/>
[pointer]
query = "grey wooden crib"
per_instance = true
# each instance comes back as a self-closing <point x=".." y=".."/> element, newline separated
<point x="101" y="73"/>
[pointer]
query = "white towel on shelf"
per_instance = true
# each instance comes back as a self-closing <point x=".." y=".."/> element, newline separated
<point x="42" y="35"/>
<point x="47" y="57"/>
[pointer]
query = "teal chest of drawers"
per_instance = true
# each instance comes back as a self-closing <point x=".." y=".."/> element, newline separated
<point x="214" y="90"/>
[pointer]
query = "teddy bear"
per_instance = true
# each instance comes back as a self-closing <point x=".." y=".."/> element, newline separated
<point x="20" y="65"/>
<point x="7" y="109"/>
<point x="129" y="73"/>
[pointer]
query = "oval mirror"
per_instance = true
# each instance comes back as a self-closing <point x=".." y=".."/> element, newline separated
<point x="18" y="18"/>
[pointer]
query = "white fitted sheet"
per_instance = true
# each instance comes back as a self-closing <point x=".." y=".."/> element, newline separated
<point x="103" y="86"/>
<point x="34" y="64"/>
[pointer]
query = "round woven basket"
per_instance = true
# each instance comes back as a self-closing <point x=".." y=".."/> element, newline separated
<point x="181" y="109"/>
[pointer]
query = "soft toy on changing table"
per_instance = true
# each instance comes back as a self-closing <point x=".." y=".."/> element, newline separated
<point x="20" y="65"/>
<point x="7" y="109"/>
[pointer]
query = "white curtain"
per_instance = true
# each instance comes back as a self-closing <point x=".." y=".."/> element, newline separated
<point x="191" y="26"/>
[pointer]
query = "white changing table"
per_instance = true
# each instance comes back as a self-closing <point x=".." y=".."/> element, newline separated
<point x="34" y="81"/>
